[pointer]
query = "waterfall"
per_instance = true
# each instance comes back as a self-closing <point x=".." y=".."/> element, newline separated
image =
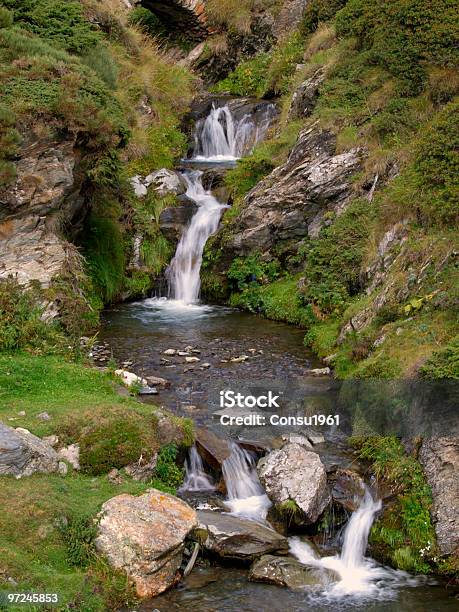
<point x="359" y="576"/>
<point x="196" y="478"/>
<point x="183" y="272"/>
<point x="357" y="531"/>
<point x="221" y="137"/>
<point x="246" y="496"/>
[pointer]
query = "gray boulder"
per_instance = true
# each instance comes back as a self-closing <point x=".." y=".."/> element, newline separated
<point x="231" y="537"/>
<point x="294" y="473"/>
<point x="440" y="460"/>
<point x="23" y="454"/>
<point x="144" y="537"/>
<point x="297" y="198"/>
<point x="290" y="573"/>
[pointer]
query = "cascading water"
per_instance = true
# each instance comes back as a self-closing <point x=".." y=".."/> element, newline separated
<point x="246" y="496"/>
<point x="196" y="478"/>
<point x="184" y="270"/>
<point x="222" y="137"/>
<point x="360" y="576"/>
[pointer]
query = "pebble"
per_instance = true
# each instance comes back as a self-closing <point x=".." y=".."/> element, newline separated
<point x="148" y="391"/>
<point x="192" y="359"/>
<point x="183" y="354"/>
<point x="239" y="359"/>
<point x="22" y="413"/>
<point x="205" y="365"/>
<point x="170" y="352"/>
<point x="43" y="416"/>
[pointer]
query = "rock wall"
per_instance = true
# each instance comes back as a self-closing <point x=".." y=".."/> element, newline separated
<point x="45" y="197"/>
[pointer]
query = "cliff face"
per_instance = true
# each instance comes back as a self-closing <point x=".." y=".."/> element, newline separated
<point x="36" y="209"/>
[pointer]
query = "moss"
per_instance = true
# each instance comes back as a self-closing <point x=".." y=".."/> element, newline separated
<point x="289" y="511"/>
<point x="111" y="439"/>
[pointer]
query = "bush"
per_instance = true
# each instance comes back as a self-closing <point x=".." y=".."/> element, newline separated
<point x="252" y="270"/>
<point x="332" y="267"/>
<point x="146" y="20"/>
<point x="63" y="23"/>
<point x="249" y="79"/>
<point x="318" y="11"/>
<point x="437" y="167"/>
<point x="21" y="323"/>
<point x="79" y="533"/>
<point x="167" y="470"/>
<point x="401" y="35"/>
<point x="444" y="363"/>
<point x="6" y="18"/>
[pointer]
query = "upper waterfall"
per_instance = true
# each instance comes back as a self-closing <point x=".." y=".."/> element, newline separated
<point x="221" y="136"/>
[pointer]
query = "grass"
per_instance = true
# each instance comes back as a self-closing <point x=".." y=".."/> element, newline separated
<point x="45" y="528"/>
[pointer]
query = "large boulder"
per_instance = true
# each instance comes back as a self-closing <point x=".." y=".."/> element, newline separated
<point x="163" y="182"/>
<point x="144" y="537"/>
<point x="297" y="199"/>
<point x="23" y="454"/>
<point x="174" y="219"/>
<point x="294" y="473"/>
<point x="440" y="460"/>
<point x="288" y="572"/>
<point x="231" y="537"/>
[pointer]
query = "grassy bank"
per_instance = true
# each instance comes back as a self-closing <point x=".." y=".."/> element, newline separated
<point x="399" y="104"/>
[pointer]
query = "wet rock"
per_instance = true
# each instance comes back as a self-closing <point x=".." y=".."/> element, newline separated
<point x="157" y="381"/>
<point x="129" y="378"/>
<point x="170" y="352"/>
<point x="440" y="460"/>
<point x="297" y="439"/>
<point x="294" y="473"/>
<point x="319" y="372"/>
<point x="71" y="454"/>
<point x="148" y="391"/>
<point x="213" y="450"/>
<point x="141" y="471"/>
<point x="231" y="537"/>
<point x="164" y="182"/>
<point x="290" y="573"/>
<point x="174" y="219"/>
<point x="144" y="537"/>
<point x="348" y="489"/>
<point x="23" y="454"/>
<point x="192" y="359"/>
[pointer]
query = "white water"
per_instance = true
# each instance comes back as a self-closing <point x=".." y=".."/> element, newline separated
<point x="360" y="576"/>
<point x="246" y="496"/>
<point x="196" y="478"/>
<point x="183" y="272"/>
<point x="221" y="137"/>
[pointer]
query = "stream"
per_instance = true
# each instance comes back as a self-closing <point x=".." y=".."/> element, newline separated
<point x="201" y="348"/>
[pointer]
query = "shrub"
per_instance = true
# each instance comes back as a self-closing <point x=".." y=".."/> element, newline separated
<point x="21" y="323"/>
<point x="333" y="261"/>
<point x="79" y="533"/>
<point x="437" y="167"/>
<point x="63" y="23"/>
<point x="252" y="270"/>
<point x="6" y="18"/>
<point x="167" y="470"/>
<point x="146" y="20"/>
<point x="318" y="11"/>
<point x="249" y="79"/>
<point x="444" y="363"/>
<point x="401" y="35"/>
